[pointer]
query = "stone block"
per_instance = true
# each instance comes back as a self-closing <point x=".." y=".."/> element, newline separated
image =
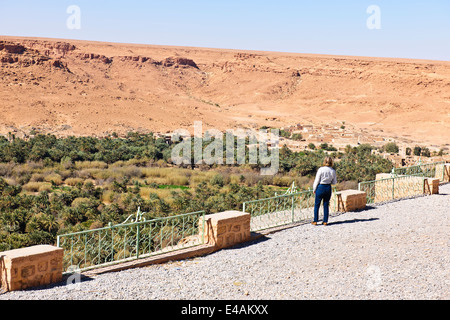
<point x="352" y="200"/>
<point x="30" y="267"/>
<point x="432" y="185"/>
<point x="225" y="229"/>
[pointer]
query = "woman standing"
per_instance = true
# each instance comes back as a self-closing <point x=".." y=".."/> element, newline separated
<point x="325" y="177"/>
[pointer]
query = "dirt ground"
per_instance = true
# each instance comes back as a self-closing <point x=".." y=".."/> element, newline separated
<point x="70" y="87"/>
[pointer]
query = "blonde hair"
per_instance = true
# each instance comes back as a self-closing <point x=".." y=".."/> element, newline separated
<point x="328" y="162"/>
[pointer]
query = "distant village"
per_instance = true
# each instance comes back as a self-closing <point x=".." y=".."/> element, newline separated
<point x="340" y="135"/>
<point x="300" y="137"/>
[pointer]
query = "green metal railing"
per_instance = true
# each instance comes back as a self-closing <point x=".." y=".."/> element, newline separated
<point x="428" y="170"/>
<point x="280" y="210"/>
<point x="295" y="206"/>
<point x="89" y="249"/>
<point x="405" y="182"/>
<point x="113" y="244"/>
<point x="396" y="187"/>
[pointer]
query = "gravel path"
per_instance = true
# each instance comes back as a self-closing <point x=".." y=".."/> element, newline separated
<point x="398" y="250"/>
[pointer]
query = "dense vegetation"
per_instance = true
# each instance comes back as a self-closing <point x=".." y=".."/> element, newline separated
<point x="51" y="185"/>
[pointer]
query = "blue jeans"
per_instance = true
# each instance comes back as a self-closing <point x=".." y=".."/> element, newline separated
<point x="323" y="192"/>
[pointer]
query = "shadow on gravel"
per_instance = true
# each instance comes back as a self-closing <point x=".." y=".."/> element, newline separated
<point x="255" y="239"/>
<point x="352" y="221"/>
<point x="69" y="281"/>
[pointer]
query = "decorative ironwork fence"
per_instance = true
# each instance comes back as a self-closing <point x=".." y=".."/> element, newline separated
<point x="396" y="187"/>
<point x="113" y="244"/>
<point x="428" y="170"/>
<point x="280" y="210"/>
<point x="117" y="243"/>
<point x="295" y="206"/>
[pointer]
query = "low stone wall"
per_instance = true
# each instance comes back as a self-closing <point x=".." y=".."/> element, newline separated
<point x="30" y="267"/>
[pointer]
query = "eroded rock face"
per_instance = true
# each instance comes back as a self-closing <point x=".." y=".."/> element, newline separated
<point x="175" y="62"/>
<point x="50" y="48"/>
<point x="11" y="47"/>
<point x="9" y="59"/>
<point x="93" y="56"/>
<point x="178" y="61"/>
<point x="22" y="56"/>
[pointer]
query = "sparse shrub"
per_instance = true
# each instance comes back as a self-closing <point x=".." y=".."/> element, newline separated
<point x="90" y="165"/>
<point x="54" y="178"/>
<point x="153" y="172"/>
<point x="178" y="180"/>
<point x="79" y="201"/>
<point x="347" y="185"/>
<point x="37" y="177"/>
<point x="83" y="174"/>
<point x="73" y="181"/>
<point x="23" y="170"/>
<point x="6" y="169"/>
<point x="32" y="186"/>
<point x="282" y="181"/>
<point x="89" y="183"/>
<point x="304" y="182"/>
<point x="131" y="172"/>
<point x="100" y="174"/>
<point x="217" y="180"/>
<point x="37" y="186"/>
<point x="45" y="187"/>
<point x="235" y="179"/>
<point x="107" y="196"/>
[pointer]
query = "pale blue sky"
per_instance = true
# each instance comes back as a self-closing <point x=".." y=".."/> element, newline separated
<point x="409" y="29"/>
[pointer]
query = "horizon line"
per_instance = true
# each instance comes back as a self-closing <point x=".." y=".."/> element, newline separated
<point x="327" y="55"/>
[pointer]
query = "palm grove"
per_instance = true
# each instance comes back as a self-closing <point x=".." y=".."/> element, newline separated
<point x="51" y="186"/>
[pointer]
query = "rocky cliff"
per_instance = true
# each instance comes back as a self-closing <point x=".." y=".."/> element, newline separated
<point x="93" y="88"/>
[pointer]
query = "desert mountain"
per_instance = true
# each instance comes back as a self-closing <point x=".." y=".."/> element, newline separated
<point x="71" y="87"/>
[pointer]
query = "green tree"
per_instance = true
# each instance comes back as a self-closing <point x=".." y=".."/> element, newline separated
<point x="417" y="151"/>
<point x="425" y="152"/>
<point x="391" y="147"/>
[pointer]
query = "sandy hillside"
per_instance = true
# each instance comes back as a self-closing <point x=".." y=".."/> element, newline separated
<point x="70" y="87"/>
